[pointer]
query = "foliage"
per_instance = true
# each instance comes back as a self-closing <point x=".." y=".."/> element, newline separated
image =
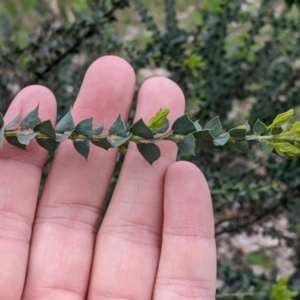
<point x="236" y="60"/>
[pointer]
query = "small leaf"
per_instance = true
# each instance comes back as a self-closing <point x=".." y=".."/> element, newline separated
<point x="160" y="138"/>
<point x="259" y="127"/>
<point x="26" y="138"/>
<point x="247" y="126"/>
<point x="98" y="130"/>
<point x="49" y="144"/>
<point x="242" y="146"/>
<point x="141" y="129"/>
<point x="183" y="125"/>
<point x="45" y="128"/>
<point x="14" y="122"/>
<point x="31" y="119"/>
<point x="158" y="120"/>
<point x="102" y="143"/>
<point x="214" y="126"/>
<point x="197" y="125"/>
<point x="118" y="127"/>
<point x="13" y="140"/>
<point x="263" y="145"/>
<point x="119" y="142"/>
<point x="85" y="128"/>
<point x="63" y="137"/>
<point x="296" y="127"/>
<point x="150" y="152"/>
<point x="1" y="136"/>
<point x="285" y="149"/>
<point x="221" y="140"/>
<point x="276" y="130"/>
<point x="282" y="118"/>
<point x="66" y="123"/>
<point x="1" y="120"/>
<point x="203" y="135"/>
<point x="161" y="129"/>
<point x="187" y="144"/>
<point x="280" y="290"/>
<point x="82" y="147"/>
<point x="238" y="133"/>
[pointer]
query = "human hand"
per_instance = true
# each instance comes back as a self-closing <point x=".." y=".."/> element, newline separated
<point x="157" y="238"/>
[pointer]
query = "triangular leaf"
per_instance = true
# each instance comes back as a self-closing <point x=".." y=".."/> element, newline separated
<point x="14" y="122"/>
<point x="31" y="119"/>
<point x="183" y="125"/>
<point x="214" y="126"/>
<point x="197" y="125"/>
<point x="163" y="128"/>
<point x="98" y="130"/>
<point x="259" y="127"/>
<point x="49" y="144"/>
<point x="26" y="138"/>
<point x="263" y="145"/>
<point x="82" y="147"/>
<point x="248" y="128"/>
<point x="187" y="144"/>
<point x="282" y="118"/>
<point x="63" y="137"/>
<point x="45" y="128"/>
<point x="150" y="152"/>
<point x="85" y="128"/>
<point x="13" y="140"/>
<point x="102" y="143"/>
<point x="221" y="140"/>
<point x="119" y="142"/>
<point x="158" y="120"/>
<point x="242" y="146"/>
<point x="66" y="123"/>
<point x="238" y="133"/>
<point x="141" y="129"/>
<point x="118" y="127"/>
<point x="276" y="130"/>
<point x="203" y="135"/>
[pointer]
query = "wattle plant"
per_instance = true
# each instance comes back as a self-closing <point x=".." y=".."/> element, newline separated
<point x="281" y="135"/>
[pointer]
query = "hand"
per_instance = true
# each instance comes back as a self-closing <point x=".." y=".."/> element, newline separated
<point x="157" y="238"/>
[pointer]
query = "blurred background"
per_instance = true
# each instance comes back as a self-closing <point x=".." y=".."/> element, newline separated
<point x="237" y="59"/>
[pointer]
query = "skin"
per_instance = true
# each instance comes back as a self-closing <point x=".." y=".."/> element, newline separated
<point x="157" y="238"/>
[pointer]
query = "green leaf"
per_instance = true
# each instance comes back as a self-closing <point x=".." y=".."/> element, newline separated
<point x="161" y="129"/>
<point x="238" y="133"/>
<point x="1" y="136"/>
<point x="183" y="125"/>
<point x="63" y="137"/>
<point x="158" y="120"/>
<point x="259" y="127"/>
<point x="247" y="126"/>
<point x="103" y="143"/>
<point x="119" y="142"/>
<point x="197" y="125"/>
<point x="14" y="122"/>
<point x="31" y="119"/>
<point x="280" y="290"/>
<point x="1" y="120"/>
<point x="150" y="152"/>
<point x="118" y="127"/>
<point x="214" y="126"/>
<point x="296" y="127"/>
<point x="203" y="135"/>
<point x="49" y="144"/>
<point x="276" y="130"/>
<point x="66" y="123"/>
<point x="98" y="130"/>
<point x="82" y="147"/>
<point x="282" y="118"/>
<point x="26" y="138"/>
<point x="187" y="144"/>
<point x="141" y="129"/>
<point x="13" y="140"/>
<point x="45" y="128"/>
<point x="263" y="145"/>
<point x="222" y="139"/>
<point x="161" y="137"/>
<point x="285" y="149"/>
<point x="242" y="146"/>
<point x="85" y="128"/>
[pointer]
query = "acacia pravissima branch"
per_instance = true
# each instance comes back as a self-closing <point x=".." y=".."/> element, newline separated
<point x="281" y="135"/>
